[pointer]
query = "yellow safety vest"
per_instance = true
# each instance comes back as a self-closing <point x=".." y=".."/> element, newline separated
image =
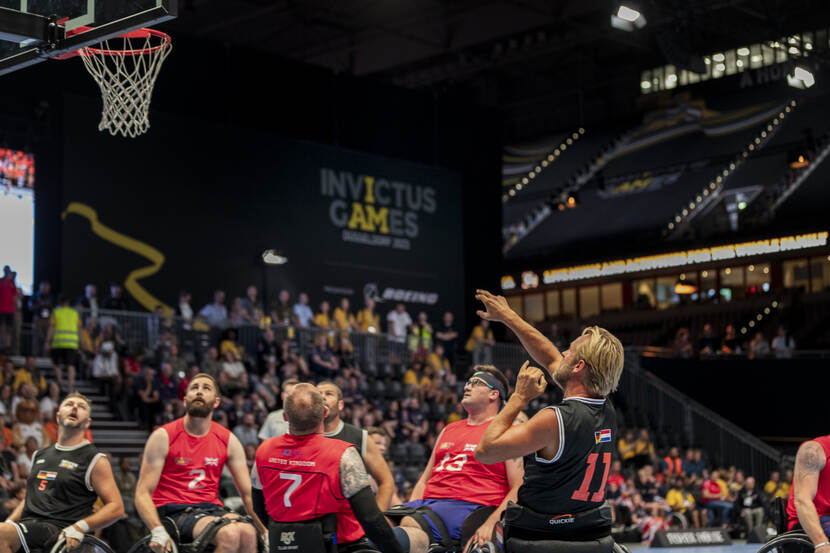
<point x="65" y="335"/>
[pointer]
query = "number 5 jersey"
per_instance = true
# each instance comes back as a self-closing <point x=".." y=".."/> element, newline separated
<point x="458" y="475"/>
<point x="193" y="466"/>
<point x="574" y="479"/>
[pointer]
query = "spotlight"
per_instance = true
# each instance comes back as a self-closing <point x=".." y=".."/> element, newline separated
<point x="628" y="18"/>
<point x="271" y="257"/>
<point x="801" y="77"/>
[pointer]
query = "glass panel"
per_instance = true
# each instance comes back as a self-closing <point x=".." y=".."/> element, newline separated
<point x="552" y="303"/>
<point x="795" y="274"/>
<point x="781" y="51"/>
<point x="731" y="67"/>
<point x="768" y="54"/>
<point x="820" y="273"/>
<point x="657" y="79"/>
<point x="588" y="301"/>
<point x="757" y="278"/>
<point x="732" y="283"/>
<point x="644" y="293"/>
<point x="671" y="77"/>
<point x="756" y="58"/>
<point x="535" y="307"/>
<point x="569" y="301"/>
<point x="515" y="303"/>
<point x="684" y="77"/>
<point x="708" y="285"/>
<point x="666" y="296"/>
<point x="611" y="296"/>
<point x="645" y="82"/>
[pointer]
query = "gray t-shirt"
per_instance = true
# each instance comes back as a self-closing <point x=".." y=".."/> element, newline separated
<point x="274" y="425"/>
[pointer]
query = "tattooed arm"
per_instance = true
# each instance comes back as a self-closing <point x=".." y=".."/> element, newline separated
<point x="809" y="462"/>
<point x="354" y="483"/>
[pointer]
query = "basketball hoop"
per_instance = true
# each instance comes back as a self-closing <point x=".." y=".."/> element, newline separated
<point x="125" y="69"/>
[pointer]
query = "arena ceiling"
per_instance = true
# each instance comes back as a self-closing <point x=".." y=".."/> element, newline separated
<point x="548" y="64"/>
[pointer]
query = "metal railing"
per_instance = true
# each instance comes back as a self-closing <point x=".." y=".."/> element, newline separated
<point x="643" y="394"/>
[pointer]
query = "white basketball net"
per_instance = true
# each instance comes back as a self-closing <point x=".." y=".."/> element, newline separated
<point x="125" y="69"/>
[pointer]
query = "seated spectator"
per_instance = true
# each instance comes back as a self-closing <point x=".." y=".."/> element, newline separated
<point x="237" y="316"/>
<point x="344" y="320"/>
<point x="247" y="430"/>
<point x="750" y="505"/>
<point x="167" y="384"/>
<point x="713" y="497"/>
<point x="758" y="347"/>
<point x="178" y="364"/>
<point x="649" y="489"/>
<point x="268" y="350"/>
<point x="672" y="463"/>
<point x="323" y="318"/>
<point x="643" y="449"/>
<point x="625" y="447"/>
<point x="184" y="382"/>
<point x="28" y="425"/>
<point x="87" y="338"/>
<point x="250" y="303"/>
<point x="233" y="375"/>
<point x="775" y="487"/>
<point x="680" y="500"/>
<point x="438" y="362"/>
<point x="9" y="472"/>
<point x="105" y="370"/>
<point x="694" y="465"/>
<point x="212" y="365"/>
<point x="281" y="308"/>
<point x="707" y="344"/>
<point x="730" y="344"/>
<point x="109" y="334"/>
<point x="414" y="424"/>
<point x="116" y="299"/>
<point x="51" y="400"/>
<point x="682" y="344"/>
<point x="615" y="476"/>
<point x="480" y="343"/>
<point x="302" y="314"/>
<point x="322" y="361"/>
<point x="24" y="459"/>
<point x="6" y="431"/>
<point x="783" y="344"/>
<point x="31" y="375"/>
<point x="6" y="398"/>
<point x="229" y="345"/>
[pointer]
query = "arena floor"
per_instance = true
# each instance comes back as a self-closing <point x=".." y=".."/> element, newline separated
<point x="736" y="547"/>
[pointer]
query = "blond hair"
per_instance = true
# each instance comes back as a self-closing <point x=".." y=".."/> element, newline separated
<point x="603" y="356"/>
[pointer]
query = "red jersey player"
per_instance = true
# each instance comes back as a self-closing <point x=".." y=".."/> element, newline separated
<point x="181" y="467"/>
<point x="454" y="483"/>
<point x="809" y="501"/>
<point x="303" y="475"/>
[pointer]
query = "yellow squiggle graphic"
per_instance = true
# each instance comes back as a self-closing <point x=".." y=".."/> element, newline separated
<point x="137" y="291"/>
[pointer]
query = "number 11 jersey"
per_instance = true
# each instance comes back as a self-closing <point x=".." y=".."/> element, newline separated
<point x="457" y="474"/>
<point x="574" y="479"/>
<point x="193" y="466"/>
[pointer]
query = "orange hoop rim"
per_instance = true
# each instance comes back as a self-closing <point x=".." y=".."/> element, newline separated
<point x="166" y="41"/>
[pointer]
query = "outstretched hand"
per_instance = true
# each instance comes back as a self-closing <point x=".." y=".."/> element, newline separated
<point x="495" y="307"/>
<point x="530" y="383"/>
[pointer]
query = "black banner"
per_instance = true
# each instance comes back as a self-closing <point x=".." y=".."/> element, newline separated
<point x="192" y="206"/>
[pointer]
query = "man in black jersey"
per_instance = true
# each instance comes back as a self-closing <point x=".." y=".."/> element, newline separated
<point x="369" y="452"/>
<point x="65" y="480"/>
<point x="567" y="448"/>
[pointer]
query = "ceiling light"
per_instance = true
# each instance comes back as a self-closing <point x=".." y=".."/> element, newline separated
<point x="628" y="18"/>
<point x="645" y="85"/>
<point x="720" y="67"/>
<point x="793" y="50"/>
<point x="718" y="57"/>
<point x="743" y="51"/>
<point x="800" y="77"/>
<point x="271" y="257"/>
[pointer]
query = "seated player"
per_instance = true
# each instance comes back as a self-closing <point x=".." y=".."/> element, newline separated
<point x="454" y="484"/>
<point x="808" y="506"/>
<point x="66" y="479"/>
<point x="304" y="476"/>
<point x="180" y="474"/>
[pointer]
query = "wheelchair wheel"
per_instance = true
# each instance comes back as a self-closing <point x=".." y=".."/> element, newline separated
<point x="90" y="544"/>
<point x="621" y="548"/>
<point x="795" y="542"/>
<point x="143" y="546"/>
<point x="678" y="520"/>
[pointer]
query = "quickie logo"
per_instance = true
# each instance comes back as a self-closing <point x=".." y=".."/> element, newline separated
<point x="562" y="519"/>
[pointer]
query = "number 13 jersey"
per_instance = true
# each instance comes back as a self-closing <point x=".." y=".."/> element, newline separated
<point x="193" y="466"/>
<point x="457" y="474"/>
<point x="574" y="479"/>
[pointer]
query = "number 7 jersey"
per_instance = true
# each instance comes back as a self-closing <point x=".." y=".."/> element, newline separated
<point x="193" y="466"/>
<point x="457" y="474"/>
<point x="574" y="479"/>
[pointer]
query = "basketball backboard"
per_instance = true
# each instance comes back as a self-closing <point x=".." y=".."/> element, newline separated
<point x="32" y="31"/>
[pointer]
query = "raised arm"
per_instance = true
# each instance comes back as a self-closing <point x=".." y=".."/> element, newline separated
<point x="155" y="454"/>
<point x="238" y="467"/>
<point x="809" y="462"/>
<point x="504" y="440"/>
<point x="377" y="467"/>
<point x="354" y="483"/>
<point x="540" y="348"/>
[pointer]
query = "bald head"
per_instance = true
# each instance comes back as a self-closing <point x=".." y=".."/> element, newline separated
<point x="304" y="409"/>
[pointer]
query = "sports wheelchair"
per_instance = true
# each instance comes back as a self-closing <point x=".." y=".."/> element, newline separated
<point x="786" y="541"/>
<point x="202" y="543"/>
<point x="90" y="544"/>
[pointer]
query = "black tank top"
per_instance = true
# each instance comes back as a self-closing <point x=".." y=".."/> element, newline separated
<point x="59" y="487"/>
<point x="574" y="480"/>
<point x="352" y="434"/>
